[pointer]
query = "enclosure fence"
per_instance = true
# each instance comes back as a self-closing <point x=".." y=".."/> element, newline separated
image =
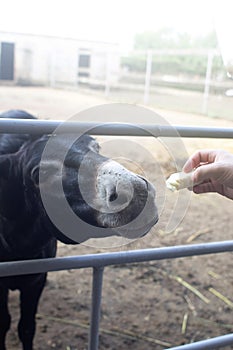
<point x="99" y="261"/>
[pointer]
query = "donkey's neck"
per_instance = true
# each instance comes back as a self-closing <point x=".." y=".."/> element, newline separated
<point x="23" y="231"/>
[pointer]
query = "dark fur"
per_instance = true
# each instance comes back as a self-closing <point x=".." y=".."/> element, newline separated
<point x="25" y="230"/>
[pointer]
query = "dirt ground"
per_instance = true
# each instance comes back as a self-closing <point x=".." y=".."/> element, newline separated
<point x="149" y="305"/>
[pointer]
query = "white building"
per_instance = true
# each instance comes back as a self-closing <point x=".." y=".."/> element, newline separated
<point x="53" y="61"/>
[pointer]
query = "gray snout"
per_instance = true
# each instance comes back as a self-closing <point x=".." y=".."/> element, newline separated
<point x="125" y="201"/>
<point x="117" y="187"/>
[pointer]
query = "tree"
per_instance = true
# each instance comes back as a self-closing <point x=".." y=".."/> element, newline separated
<point x="168" y="38"/>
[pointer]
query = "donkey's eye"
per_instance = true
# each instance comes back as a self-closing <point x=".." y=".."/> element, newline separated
<point x="35" y="175"/>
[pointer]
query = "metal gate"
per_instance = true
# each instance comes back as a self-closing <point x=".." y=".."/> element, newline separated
<point x="99" y="261"/>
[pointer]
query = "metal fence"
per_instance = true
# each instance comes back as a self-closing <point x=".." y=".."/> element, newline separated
<point x="99" y="261"/>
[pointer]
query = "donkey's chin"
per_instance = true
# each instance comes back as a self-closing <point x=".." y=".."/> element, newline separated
<point x="135" y="232"/>
<point x="132" y="230"/>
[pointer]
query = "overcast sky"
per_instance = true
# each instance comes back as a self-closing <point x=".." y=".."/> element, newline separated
<point x="106" y="20"/>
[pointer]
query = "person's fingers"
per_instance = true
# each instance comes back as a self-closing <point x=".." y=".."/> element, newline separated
<point x="228" y="192"/>
<point x="204" y="188"/>
<point x="213" y="187"/>
<point x="198" y="158"/>
<point x="208" y="186"/>
<point x="213" y="171"/>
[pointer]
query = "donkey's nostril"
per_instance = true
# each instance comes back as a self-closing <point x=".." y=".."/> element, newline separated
<point x="118" y="197"/>
<point x="113" y="196"/>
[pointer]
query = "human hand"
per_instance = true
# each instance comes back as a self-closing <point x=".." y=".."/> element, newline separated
<point x="212" y="171"/>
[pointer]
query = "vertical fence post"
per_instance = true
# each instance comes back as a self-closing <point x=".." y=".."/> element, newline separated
<point x="51" y="70"/>
<point x="95" y="308"/>
<point x="77" y="72"/>
<point x="107" y="75"/>
<point x="147" y="77"/>
<point x="207" y="82"/>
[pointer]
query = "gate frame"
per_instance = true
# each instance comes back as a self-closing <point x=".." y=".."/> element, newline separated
<point x="100" y="260"/>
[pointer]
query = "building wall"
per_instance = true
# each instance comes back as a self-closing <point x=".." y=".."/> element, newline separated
<point x="51" y="61"/>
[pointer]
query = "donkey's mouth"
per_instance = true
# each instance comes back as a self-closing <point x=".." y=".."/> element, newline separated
<point x="150" y="226"/>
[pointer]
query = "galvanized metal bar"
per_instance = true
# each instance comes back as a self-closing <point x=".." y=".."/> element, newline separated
<point x="106" y="259"/>
<point x="17" y="126"/>
<point x="213" y="343"/>
<point x="99" y="261"/>
<point x="207" y="82"/>
<point x="146" y="96"/>
<point x="95" y="308"/>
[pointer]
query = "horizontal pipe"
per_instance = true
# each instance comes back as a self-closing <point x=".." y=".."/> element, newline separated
<point x="213" y="343"/>
<point x="16" y="126"/>
<point x="107" y="259"/>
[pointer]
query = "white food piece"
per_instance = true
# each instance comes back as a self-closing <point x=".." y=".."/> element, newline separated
<point x="178" y="181"/>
